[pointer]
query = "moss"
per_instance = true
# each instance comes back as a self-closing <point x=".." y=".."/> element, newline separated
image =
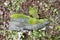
<point x="42" y="20"/>
<point x="33" y="21"/>
<point x="33" y="11"/>
<point x="58" y="27"/>
<point x="19" y="16"/>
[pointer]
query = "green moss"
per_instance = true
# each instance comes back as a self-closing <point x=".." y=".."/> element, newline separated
<point x="45" y="19"/>
<point x="58" y="27"/>
<point x="42" y="20"/>
<point x="33" y="21"/>
<point x="33" y="11"/>
<point x="19" y="16"/>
